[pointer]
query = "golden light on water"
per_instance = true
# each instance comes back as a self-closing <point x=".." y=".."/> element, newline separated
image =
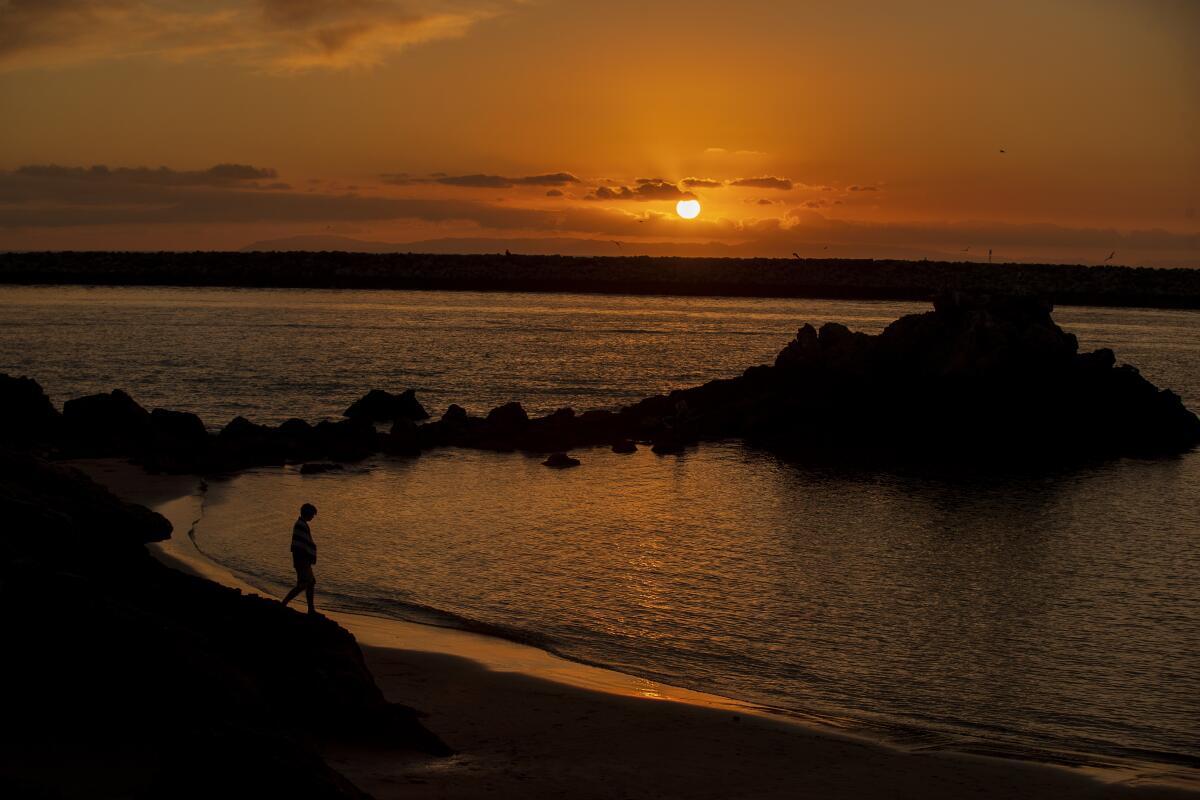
<point x="688" y="209"/>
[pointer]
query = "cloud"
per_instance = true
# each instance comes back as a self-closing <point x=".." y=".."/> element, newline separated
<point x="37" y="202"/>
<point x="481" y="181"/>
<point x="58" y="197"/>
<point x="553" y="179"/>
<point x="220" y="175"/>
<point x="476" y="181"/>
<point x="645" y="189"/>
<point x="279" y="35"/>
<point x="765" y="182"/>
<point x="707" y="183"/>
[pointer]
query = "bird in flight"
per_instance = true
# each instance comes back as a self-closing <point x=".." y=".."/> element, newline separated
<point x="1002" y="150"/>
<point x="614" y="241"/>
<point x="1110" y="255"/>
<point x="965" y="250"/>
<point x="794" y="253"/>
<point x="826" y="247"/>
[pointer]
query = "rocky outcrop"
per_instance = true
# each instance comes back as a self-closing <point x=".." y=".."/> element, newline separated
<point x="378" y="405"/>
<point x="975" y="378"/>
<point x="168" y="680"/>
<point x="107" y="424"/>
<point x="27" y="417"/>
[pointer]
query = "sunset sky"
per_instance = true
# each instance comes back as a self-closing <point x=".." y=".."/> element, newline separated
<point x="853" y="128"/>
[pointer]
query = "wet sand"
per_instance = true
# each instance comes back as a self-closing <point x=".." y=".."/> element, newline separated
<point x="527" y="724"/>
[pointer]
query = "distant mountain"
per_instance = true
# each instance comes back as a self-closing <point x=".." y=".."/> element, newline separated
<point x="569" y="246"/>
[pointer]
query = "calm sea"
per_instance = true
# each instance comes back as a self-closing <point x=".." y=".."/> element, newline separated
<point x="1050" y="615"/>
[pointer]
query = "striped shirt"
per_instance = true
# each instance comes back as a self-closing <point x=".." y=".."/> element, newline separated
<point x="302" y="541"/>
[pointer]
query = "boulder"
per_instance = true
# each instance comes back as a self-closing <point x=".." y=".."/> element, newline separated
<point x="508" y="417"/>
<point x="110" y="424"/>
<point x="560" y="461"/>
<point x="348" y="440"/>
<point x="26" y="414"/>
<point x="241" y="443"/>
<point x="378" y="405"/>
<point x="404" y="439"/>
<point x="178" y="429"/>
<point x="297" y="440"/>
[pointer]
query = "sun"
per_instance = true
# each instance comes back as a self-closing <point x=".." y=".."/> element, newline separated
<point x="688" y="209"/>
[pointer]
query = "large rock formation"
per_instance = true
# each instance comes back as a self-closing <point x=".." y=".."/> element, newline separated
<point x="977" y="379"/>
<point x="170" y="685"/>
<point x="974" y="378"/>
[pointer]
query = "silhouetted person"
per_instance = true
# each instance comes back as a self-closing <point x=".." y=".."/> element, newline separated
<point x="304" y="555"/>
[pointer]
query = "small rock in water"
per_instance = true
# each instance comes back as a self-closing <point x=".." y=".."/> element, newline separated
<point x="318" y="468"/>
<point x="624" y="446"/>
<point x="560" y="461"/>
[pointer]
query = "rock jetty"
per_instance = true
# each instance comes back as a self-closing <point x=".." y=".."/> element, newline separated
<point x="976" y="378"/>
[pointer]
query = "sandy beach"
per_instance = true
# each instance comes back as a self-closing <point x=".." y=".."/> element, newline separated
<point x="525" y="723"/>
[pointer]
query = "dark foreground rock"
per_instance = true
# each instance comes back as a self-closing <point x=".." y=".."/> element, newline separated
<point x="123" y="678"/>
<point x="27" y="417"/>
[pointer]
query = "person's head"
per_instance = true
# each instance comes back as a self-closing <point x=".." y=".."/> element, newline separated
<point x="308" y="511"/>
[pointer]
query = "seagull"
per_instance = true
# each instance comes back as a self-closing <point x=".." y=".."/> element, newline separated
<point x="826" y="247"/>
<point x="614" y="241"/>
<point x="797" y="255"/>
<point x="965" y="250"/>
<point x="1002" y="150"/>
<point x="1110" y="255"/>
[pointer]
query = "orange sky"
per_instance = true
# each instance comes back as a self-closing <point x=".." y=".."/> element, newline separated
<point x="850" y="128"/>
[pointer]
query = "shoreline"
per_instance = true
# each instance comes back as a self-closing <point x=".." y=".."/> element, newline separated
<point x="479" y="691"/>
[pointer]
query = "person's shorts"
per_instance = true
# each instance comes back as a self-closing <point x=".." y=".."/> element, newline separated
<point x="304" y="573"/>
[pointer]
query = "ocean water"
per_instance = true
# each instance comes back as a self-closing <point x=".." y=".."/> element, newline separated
<point x="1043" y="614"/>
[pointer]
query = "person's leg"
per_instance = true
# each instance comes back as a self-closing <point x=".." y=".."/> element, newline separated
<point x="308" y="593"/>
<point x="292" y="594"/>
